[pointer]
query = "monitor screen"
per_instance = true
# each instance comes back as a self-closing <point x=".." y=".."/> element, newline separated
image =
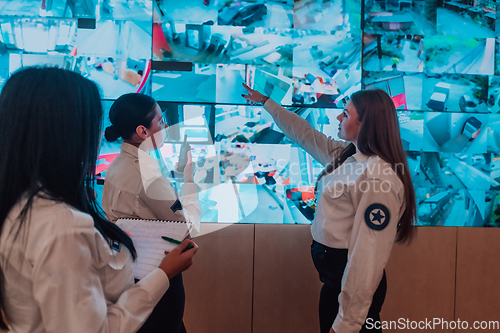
<point x="438" y="60"/>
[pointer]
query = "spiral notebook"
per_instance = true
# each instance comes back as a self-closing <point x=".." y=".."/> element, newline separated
<point x="148" y="241"/>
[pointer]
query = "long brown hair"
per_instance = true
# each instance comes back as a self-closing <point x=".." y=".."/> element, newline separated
<point x="379" y="135"/>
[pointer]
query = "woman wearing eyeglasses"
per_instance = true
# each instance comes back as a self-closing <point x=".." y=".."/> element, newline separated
<point x="365" y="202"/>
<point x="135" y="187"/>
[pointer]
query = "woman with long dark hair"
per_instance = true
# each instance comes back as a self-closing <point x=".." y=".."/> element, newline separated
<point x="135" y="187"/>
<point x="365" y="202"/>
<point x="66" y="268"/>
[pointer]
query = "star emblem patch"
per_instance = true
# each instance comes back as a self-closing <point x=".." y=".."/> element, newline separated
<point x="176" y="206"/>
<point x="377" y="216"/>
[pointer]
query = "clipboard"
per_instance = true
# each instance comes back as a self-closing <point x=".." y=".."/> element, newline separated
<point x="148" y="242"/>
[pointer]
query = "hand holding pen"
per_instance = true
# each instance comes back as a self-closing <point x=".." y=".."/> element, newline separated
<point x="175" y="241"/>
<point x="179" y="259"/>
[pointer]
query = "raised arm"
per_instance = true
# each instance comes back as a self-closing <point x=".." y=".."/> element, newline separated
<point x="297" y="129"/>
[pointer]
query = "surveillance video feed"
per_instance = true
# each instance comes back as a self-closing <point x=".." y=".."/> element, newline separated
<point x="418" y="177"/>
<point x="323" y="72"/>
<point x="4" y="68"/>
<point x="404" y="88"/>
<point x="315" y="88"/>
<point x="190" y="11"/>
<point x="245" y="203"/>
<point x="126" y="39"/>
<point x="38" y="35"/>
<point x="197" y="85"/>
<point x="190" y="122"/>
<point x="493" y="133"/>
<point x="455" y="133"/>
<point x="340" y="52"/>
<point x="203" y="43"/>
<point x="493" y="165"/>
<point x="467" y="18"/>
<point x="274" y="81"/>
<point x="492" y="201"/>
<point x="327" y="15"/>
<point x="114" y="77"/>
<point x="455" y="93"/>
<point x="439" y="61"/>
<point x="393" y="52"/>
<point x="248" y="163"/>
<point x="451" y="187"/>
<point x="497" y="21"/>
<point x="411" y="126"/>
<point x="494" y="94"/>
<point x="245" y="124"/>
<point x="255" y="155"/>
<point x="267" y="14"/>
<point x="403" y="17"/>
<point x="451" y="207"/>
<point x="464" y="55"/>
<point x="99" y="10"/>
<point x="230" y="80"/>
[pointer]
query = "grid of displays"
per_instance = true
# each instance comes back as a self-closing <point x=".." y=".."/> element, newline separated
<point x="439" y="61"/>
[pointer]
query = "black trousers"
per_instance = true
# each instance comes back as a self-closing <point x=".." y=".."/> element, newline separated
<point x="330" y="264"/>
<point x="167" y="314"/>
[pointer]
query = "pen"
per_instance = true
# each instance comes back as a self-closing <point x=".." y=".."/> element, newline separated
<point x="175" y="241"/>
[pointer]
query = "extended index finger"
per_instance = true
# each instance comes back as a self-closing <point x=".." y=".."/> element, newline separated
<point x="247" y="87"/>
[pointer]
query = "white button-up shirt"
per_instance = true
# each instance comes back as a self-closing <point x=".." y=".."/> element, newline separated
<point x="359" y="207"/>
<point x="134" y="187"/>
<point x="62" y="276"/>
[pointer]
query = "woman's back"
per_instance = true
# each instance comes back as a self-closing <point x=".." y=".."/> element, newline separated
<point x="135" y="188"/>
<point x="53" y="267"/>
<point x="65" y="268"/>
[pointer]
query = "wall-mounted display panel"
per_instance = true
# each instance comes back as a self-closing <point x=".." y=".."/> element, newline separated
<point x="438" y="60"/>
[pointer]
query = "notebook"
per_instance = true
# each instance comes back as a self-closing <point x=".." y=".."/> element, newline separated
<point x="148" y="241"/>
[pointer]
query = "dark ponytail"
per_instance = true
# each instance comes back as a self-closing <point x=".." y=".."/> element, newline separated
<point x="128" y="112"/>
<point x="111" y="134"/>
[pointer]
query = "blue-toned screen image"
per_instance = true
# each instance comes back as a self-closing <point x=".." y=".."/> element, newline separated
<point x="439" y="62"/>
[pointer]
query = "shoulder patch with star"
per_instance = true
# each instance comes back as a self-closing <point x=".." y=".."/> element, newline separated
<point x="377" y="216"/>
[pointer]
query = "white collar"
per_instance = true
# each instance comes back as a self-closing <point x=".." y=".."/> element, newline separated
<point x="360" y="157"/>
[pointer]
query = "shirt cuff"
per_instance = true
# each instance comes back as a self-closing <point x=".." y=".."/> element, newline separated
<point x="271" y="106"/>
<point x="340" y="326"/>
<point x="189" y="188"/>
<point x="155" y="284"/>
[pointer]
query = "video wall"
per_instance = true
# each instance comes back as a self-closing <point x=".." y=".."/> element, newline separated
<point x="438" y="60"/>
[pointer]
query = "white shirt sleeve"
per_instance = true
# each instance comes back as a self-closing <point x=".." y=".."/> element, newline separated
<point x="379" y="206"/>
<point x="68" y="283"/>
<point x="324" y="149"/>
